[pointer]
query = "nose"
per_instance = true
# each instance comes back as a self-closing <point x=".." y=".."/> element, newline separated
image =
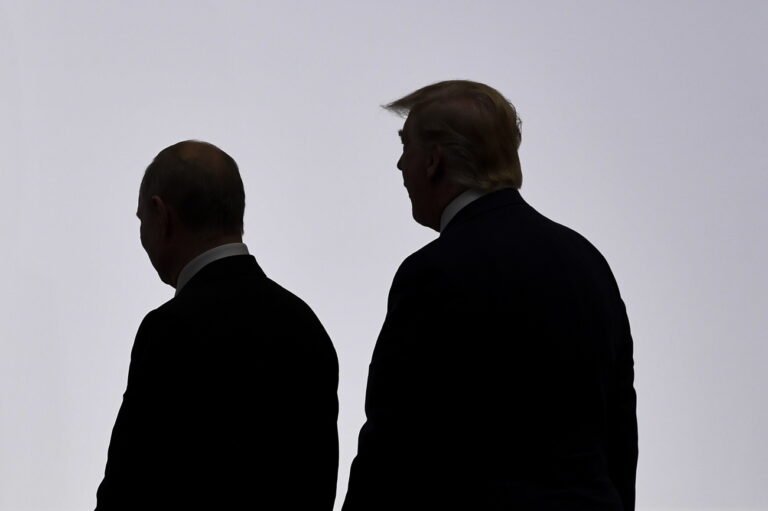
<point x="400" y="164"/>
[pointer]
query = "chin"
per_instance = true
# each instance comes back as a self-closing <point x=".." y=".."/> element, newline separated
<point x="166" y="280"/>
<point x="419" y="220"/>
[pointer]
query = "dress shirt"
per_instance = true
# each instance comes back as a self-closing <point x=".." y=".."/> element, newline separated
<point x="457" y="204"/>
<point x="207" y="257"/>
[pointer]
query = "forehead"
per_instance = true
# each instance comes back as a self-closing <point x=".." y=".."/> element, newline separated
<point x="407" y="129"/>
<point x="140" y="205"/>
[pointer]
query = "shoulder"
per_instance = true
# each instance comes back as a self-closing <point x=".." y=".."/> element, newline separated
<point x="426" y="272"/>
<point x="424" y="258"/>
<point x="158" y="330"/>
<point x="423" y="265"/>
<point x="279" y="300"/>
<point x="157" y="319"/>
<point x="298" y="325"/>
<point x="577" y="242"/>
<point x="163" y="317"/>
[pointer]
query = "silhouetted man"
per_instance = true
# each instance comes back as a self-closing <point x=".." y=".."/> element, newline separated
<point x="231" y="396"/>
<point x="503" y="375"/>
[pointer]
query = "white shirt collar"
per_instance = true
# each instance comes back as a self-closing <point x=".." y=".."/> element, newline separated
<point x="457" y="204"/>
<point x="207" y="257"/>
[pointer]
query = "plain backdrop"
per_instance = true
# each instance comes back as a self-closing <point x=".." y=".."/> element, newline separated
<point x="644" y="128"/>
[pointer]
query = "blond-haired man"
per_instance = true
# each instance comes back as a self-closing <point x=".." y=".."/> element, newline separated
<point x="503" y="374"/>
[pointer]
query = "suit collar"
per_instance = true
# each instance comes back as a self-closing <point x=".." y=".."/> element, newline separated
<point x="206" y="258"/>
<point x="232" y="267"/>
<point x="457" y="204"/>
<point x="488" y="202"/>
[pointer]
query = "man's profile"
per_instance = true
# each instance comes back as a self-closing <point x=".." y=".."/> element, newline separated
<point x="231" y="394"/>
<point x="503" y="374"/>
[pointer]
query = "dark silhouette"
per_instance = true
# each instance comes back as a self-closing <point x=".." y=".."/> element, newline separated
<point x="502" y="378"/>
<point x="231" y="396"/>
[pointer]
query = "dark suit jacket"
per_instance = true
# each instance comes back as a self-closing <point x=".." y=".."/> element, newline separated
<point x="503" y="375"/>
<point x="231" y="401"/>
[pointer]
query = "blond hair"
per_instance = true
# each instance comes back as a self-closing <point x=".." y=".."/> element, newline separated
<point x="477" y="128"/>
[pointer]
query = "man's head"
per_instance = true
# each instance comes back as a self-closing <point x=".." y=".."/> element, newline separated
<point x="191" y="199"/>
<point x="458" y="135"/>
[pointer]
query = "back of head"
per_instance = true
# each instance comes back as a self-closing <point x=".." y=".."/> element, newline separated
<point x="477" y="128"/>
<point x="203" y="185"/>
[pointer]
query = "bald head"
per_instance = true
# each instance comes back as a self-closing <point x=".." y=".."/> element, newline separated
<point x="202" y="183"/>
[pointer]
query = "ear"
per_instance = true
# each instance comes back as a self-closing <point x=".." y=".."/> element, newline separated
<point x="164" y="215"/>
<point x="435" y="163"/>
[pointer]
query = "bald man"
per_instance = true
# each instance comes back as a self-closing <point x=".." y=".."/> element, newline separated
<point x="231" y="395"/>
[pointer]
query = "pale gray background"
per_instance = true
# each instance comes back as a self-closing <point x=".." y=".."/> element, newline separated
<point x="644" y="129"/>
